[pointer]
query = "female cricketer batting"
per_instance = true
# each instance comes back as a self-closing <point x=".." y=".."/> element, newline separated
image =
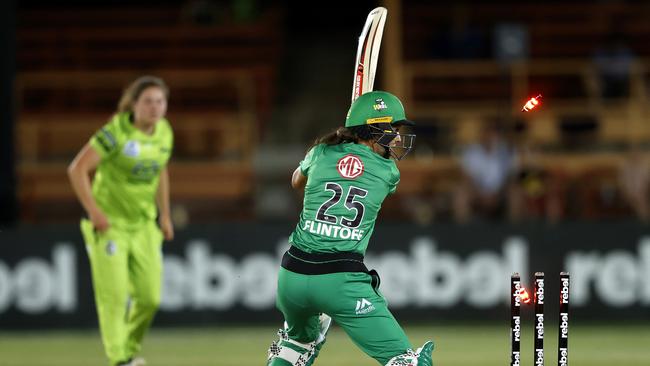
<point x="346" y="176"/>
<point x="129" y="189"/>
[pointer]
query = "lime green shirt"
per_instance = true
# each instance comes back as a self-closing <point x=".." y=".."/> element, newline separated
<point x="346" y="185"/>
<point x="127" y="177"/>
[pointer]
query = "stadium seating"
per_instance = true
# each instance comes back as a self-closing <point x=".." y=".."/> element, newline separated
<point x="74" y="64"/>
<point x="583" y="136"/>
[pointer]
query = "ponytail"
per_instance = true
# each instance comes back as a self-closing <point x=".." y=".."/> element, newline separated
<point x="343" y="135"/>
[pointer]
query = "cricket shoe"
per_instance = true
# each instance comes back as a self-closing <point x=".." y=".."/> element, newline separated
<point x="424" y="354"/>
<point x="138" y="361"/>
<point x="420" y="357"/>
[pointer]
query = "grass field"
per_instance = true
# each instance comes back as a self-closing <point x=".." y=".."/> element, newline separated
<point x="485" y="345"/>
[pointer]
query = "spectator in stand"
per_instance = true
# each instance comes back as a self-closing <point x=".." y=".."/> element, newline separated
<point x="488" y="166"/>
<point x="537" y="190"/>
<point x="634" y="181"/>
<point x="613" y="61"/>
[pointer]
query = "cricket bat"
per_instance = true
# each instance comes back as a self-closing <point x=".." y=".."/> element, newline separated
<point x="368" y="52"/>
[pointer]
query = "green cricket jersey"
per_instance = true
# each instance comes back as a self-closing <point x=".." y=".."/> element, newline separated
<point x="126" y="180"/>
<point x="346" y="185"/>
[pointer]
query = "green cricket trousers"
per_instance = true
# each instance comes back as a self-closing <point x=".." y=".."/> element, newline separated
<point x="126" y="269"/>
<point x="339" y="285"/>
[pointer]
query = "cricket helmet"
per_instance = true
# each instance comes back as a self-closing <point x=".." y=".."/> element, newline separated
<point x="377" y="107"/>
<point x="379" y="115"/>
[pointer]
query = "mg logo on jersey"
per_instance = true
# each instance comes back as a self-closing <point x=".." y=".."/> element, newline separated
<point x="350" y="166"/>
<point x="364" y="307"/>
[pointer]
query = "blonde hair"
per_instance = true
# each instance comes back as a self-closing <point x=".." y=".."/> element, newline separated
<point x="133" y="91"/>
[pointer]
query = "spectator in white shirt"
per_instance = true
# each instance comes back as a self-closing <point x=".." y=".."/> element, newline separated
<point x="487" y="169"/>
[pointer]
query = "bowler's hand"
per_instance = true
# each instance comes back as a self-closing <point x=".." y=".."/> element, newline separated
<point x="99" y="220"/>
<point x="166" y="227"/>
